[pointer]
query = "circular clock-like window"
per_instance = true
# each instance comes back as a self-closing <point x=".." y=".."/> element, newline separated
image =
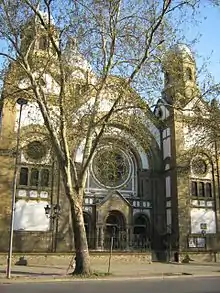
<point x="111" y="167"/>
<point x="199" y="166"/>
<point x="36" y="150"/>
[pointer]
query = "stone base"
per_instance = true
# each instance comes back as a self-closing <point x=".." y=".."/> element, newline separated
<point x="65" y="259"/>
<point x="206" y="256"/>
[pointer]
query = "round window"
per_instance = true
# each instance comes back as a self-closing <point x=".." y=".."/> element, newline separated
<point x="199" y="167"/>
<point x="36" y="150"/>
<point x="111" y="167"/>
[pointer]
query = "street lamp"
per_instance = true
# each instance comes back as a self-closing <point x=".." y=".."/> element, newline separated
<point x="52" y="212"/>
<point x="20" y="102"/>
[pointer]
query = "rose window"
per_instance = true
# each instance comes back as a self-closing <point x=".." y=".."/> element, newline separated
<point x="111" y="167"/>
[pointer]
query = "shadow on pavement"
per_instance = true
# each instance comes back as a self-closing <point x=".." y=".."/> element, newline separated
<point x="17" y="272"/>
<point x="48" y="266"/>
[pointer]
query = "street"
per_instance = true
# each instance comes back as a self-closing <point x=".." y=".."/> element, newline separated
<point x="181" y="285"/>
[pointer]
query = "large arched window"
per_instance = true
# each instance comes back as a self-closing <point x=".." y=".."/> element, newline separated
<point x="111" y="166"/>
<point x="43" y="43"/>
<point x="167" y="77"/>
<point x="189" y="75"/>
<point x="201" y="178"/>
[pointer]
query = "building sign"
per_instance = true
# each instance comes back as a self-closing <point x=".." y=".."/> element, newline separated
<point x="203" y="219"/>
<point x="197" y="242"/>
<point x="203" y="226"/>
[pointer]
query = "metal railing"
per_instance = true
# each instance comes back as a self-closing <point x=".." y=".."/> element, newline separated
<point x="27" y="241"/>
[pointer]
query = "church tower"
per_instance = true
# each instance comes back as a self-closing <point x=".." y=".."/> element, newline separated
<point x="34" y="37"/>
<point x="179" y="89"/>
<point x="35" y="46"/>
<point x="189" y="169"/>
<point x="179" y="75"/>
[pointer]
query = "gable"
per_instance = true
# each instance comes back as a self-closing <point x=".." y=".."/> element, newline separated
<point x="194" y="107"/>
<point x="113" y="200"/>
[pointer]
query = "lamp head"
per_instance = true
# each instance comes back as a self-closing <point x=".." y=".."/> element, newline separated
<point x="22" y="101"/>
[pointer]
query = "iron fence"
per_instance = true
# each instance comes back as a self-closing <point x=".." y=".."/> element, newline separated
<point x="49" y="242"/>
<point x="26" y="241"/>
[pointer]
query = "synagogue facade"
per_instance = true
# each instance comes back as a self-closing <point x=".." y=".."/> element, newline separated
<point x="154" y="193"/>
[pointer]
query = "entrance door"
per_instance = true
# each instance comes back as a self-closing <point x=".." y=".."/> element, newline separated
<point x="141" y="233"/>
<point x="115" y="227"/>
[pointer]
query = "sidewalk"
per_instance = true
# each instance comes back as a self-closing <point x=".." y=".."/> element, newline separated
<point x="118" y="270"/>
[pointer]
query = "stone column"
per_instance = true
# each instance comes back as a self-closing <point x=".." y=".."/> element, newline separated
<point x="102" y="237"/>
<point x="127" y="237"/>
<point x="97" y="238"/>
<point x="131" y="236"/>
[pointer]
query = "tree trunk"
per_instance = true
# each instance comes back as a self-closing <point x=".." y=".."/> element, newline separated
<point x="80" y="240"/>
<point x="82" y="258"/>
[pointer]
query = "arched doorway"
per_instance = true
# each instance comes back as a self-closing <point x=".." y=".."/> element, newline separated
<point x="88" y="227"/>
<point x="141" y="232"/>
<point x="115" y="227"/>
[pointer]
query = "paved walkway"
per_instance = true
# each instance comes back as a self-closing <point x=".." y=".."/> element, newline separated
<point x="118" y="270"/>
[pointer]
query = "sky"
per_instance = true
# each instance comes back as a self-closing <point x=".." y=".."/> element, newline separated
<point x="207" y="49"/>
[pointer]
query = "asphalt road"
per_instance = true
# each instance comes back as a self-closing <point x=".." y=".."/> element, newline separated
<point x="181" y="285"/>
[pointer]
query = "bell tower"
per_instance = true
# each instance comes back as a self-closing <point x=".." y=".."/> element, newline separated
<point x="180" y="88"/>
<point x="34" y="36"/>
<point x="179" y="75"/>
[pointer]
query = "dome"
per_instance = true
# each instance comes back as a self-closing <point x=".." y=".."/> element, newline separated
<point x="73" y="57"/>
<point x="45" y="17"/>
<point x="183" y="50"/>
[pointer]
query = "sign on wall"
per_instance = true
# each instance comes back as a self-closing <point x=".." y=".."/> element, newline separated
<point x="203" y="220"/>
<point x="30" y="216"/>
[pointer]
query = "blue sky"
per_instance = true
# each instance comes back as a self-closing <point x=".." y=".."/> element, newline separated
<point x="207" y="49"/>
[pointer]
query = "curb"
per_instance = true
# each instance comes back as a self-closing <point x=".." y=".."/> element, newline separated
<point x="112" y="279"/>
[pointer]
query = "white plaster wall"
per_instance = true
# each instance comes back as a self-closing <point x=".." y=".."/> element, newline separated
<point x="202" y="215"/>
<point x="168" y="203"/>
<point x="30" y="115"/>
<point x="168" y="186"/>
<point x="50" y="87"/>
<point x="169" y="220"/>
<point x="195" y="105"/>
<point x="105" y="105"/>
<point x="166" y="132"/>
<point x="153" y="130"/>
<point x="30" y="216"/>
<point x="121" y="134"/>
<point x="166" y="148"/>
<point x="167" y="167"/>
<point x="195" y="137"/>
<point x="165" y="112"/>
<point x="79" y="152"/>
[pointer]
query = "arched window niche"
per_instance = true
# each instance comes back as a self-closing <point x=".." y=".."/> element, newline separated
<point x="189" y="74"/>
<point x="43" y="43"/>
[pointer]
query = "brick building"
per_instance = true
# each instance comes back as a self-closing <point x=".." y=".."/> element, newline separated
<point x="158" y="192"/>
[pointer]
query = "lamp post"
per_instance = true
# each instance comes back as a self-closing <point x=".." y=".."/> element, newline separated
<point x="52" y="212"/>
<point x="20" y="102"/>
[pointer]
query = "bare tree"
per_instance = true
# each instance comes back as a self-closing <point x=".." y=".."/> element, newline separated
<point x="122" y="40"/>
